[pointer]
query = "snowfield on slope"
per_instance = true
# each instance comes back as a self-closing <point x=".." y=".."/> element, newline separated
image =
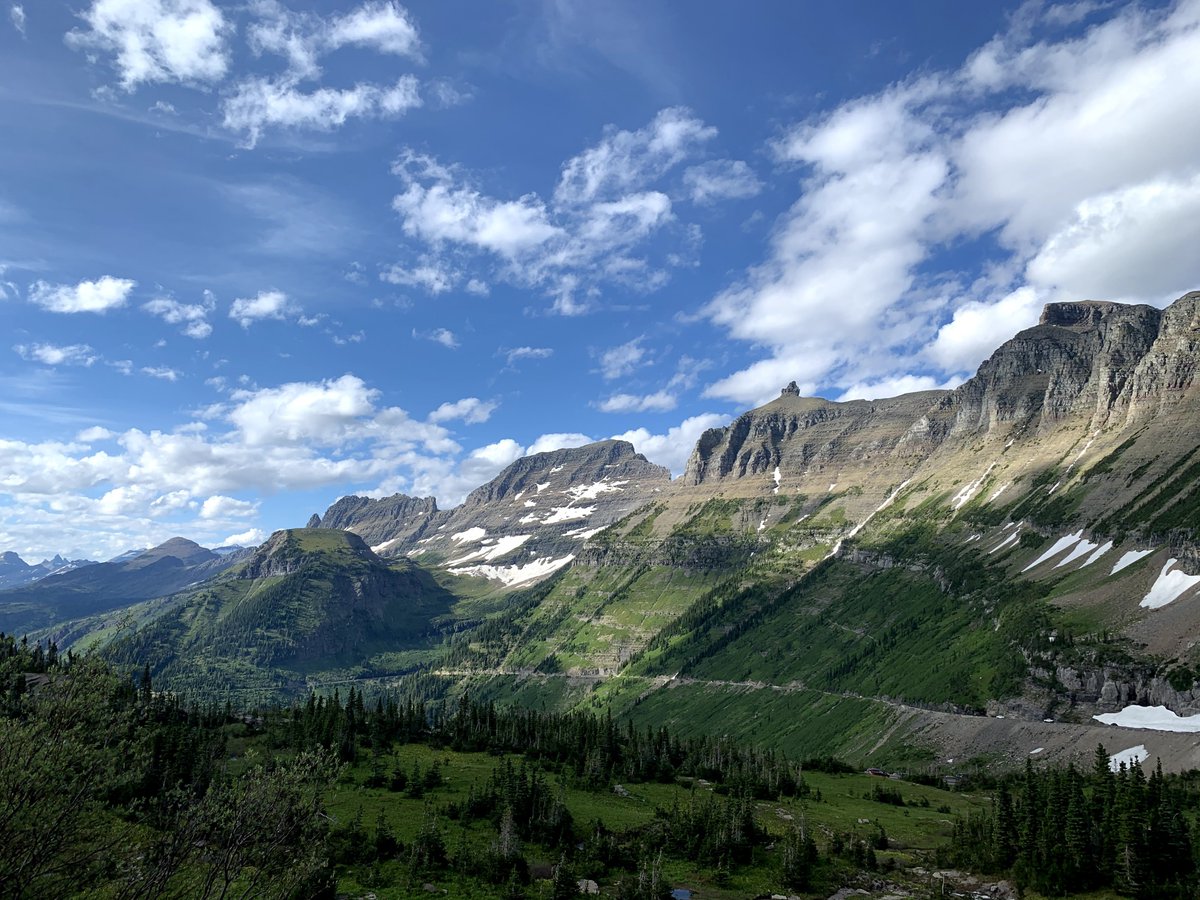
<point x="1154" y="718"/>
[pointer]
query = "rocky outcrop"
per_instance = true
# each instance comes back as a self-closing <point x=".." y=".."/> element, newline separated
<point x="390" y="524"/>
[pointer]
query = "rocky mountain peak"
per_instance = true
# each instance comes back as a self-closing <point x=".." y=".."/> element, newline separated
<point x="384" y="523"/>
<point x="571" y="466"/>
<point x="791" y="389"/>
<point x="8" y="558"/>
<point x="187" y="552"/>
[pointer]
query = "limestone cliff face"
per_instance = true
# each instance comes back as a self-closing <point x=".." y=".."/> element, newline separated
<point x="1078" y="361"/>
<point x="391" y="522"/>
<point x="804" y="436"/>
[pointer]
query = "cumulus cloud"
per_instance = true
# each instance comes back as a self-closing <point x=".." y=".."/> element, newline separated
<point x="250" y="538"/>
<point x="157" y="41"/>
<point x="673" y="448"/>
<point x="438" y="209"/>
<point x="1032" y="158"/>
<point x="97" y="296"/>
<point x="108" y="489"/>
<point x="259" y="103"/>
<point x="265" y="305"/>
<point x="193" y="317"/>
<point x="54" y="355"/>
<point x="468" y="410"/>
<point x="557" y="441"/>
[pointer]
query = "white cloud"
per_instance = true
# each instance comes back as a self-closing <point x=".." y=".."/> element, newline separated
<point x="53" y="355"/>
<point x="97" y="296"/>
<point x="470" y="410"/>
<point x="1137" y="242"/>
<point x="621" y="360"/>
<point x="259" y="103"/>
<point x="266" y="305"/>
<point x="326" y="413"/>
<point x="1033" y="161"/>
<point x="978" y="328"/>
<point x="721" y="179"/>
<point x="528" y="353"/>
<point x="218" y="506"/>
<point x="447" y="211"/>
<point x="303" y="38"/>
<point x="16" y="13"/>
<point x="557" y="441"/>
<point x="625" y="160"/>
<point x="608" y="223"/>
<point x="894" y="387"/>
<point x="182" y="41"/>
<point x="250" y="538"/>
<point x="673" y="448"/>
<point x="443" y="336"/>
<point x="163" y="372"/>
<point x="659" y="401"/>
<point x="95" y="433"/>
<point x="431" y="275"/>
<point x="193" y="317"/>
<point x="386" y="27"/>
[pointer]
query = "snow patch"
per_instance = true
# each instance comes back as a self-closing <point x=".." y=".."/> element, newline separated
<point x="1000" y="490"/>
<point x="511" y="575"/>
<point x="1004" y="543"/>
<point x="592" y="491"/>
<point x="963" y="496"/>
<point x="1059" y="546"/>
<point x="763" y="523"/>
<point x="1170" y="586"/>
<point x="495" y="550"/>
<point x="568" y="514"/>
<point x="1036" y="750"/>
<point x="529" y="503"/>
<point x="1100" y="551"/>
<point x="541" y="487"/>
<point x="525" y="520"/>
<point x="832" y="486"/>
<point x="1129" y="559"/>
<point x="778" y="476"/>
<point x="556" y="469"/>
<point x="1130" y="757"/>
<point x="1154" y="718"/>
<point x="1084" y="546"/>
<point x="584" y="534"/>
<point x="470" y="535"/>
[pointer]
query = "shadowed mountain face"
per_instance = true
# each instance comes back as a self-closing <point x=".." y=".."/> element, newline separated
<point x="307" y="602"/>
<point x="15" y="572"/>
<point x="104" y="586"/>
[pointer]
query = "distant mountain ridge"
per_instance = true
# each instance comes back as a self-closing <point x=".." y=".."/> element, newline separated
<point x="103" y="586"/>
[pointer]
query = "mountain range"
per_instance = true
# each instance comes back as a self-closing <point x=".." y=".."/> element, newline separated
<point x="971" y="573"/>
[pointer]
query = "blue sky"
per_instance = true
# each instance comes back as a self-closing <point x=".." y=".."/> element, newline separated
<point x="255" y="256"/>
